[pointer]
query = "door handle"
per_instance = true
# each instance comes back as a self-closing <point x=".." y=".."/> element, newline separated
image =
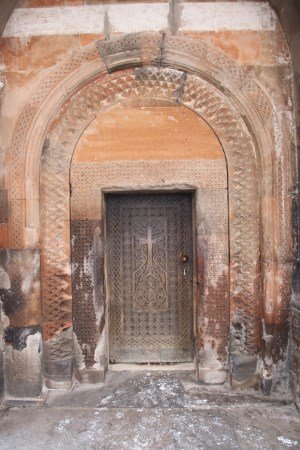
<point x="184" y="257"/>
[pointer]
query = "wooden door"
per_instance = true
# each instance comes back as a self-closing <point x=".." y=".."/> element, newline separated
<point x="150" y="268"/>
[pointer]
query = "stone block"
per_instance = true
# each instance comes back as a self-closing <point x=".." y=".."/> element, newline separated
<point x="149" y="129"/>
<point x="17" y="337"/>
<point x="3" y="236"/>
<point x="59" y="360"/>
<point x="1" y="366"/>
<point x="212" y="209"/>
<point x="114" y="53"/>
<point x="17" y="223"/>
<point x="49" y="3"/>
<point x="46" y="51"/>
<point x="59" y="374"/>
<point x="274" y="50"/>
<point x="242" y="46"/>
<point x="130" y="50"/>
<point x="295" y="385"/>
<point x="238" y="16"/>
<point x="20" y="286"/>
<point x="212" y="376"/>
<point x="23" y="366"/>
<point x="90" y="375"/>
<point x="126" y="17"/>
<point x="87" y="286"/>
<point x="243" y="370"/>
<point x="3" y="206"/>
<point x="10" y="49"/>
<point x="90" y="38"/>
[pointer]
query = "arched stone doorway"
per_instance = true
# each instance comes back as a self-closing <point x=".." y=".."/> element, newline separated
<point x="151" y="145"/>
<point x="181" y="71"/>
<point x="165" y="84"/>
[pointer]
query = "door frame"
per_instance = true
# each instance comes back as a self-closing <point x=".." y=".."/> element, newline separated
<point x="195" y="286"/>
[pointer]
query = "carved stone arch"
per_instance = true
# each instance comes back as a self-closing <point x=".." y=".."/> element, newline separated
<point x="199" y="78"/>
<point x="204" y="99"/>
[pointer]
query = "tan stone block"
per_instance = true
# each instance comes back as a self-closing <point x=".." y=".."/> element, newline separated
<point x="3" y="236"/>
<point x="17" y="223"/>
<point x="203" y="36"/>
<point x="31" y="237"/>
<point x="49" y="3"/>
<point x="46" y="51"/>
<point x="212" y="376"/>
<point x="10" y="50"/>
<point x="86" y="205"/>
<point x="51" y="329"/>
<point x="214" y="247"/>
<point x="23" y="366"/>
<point x="276" y="80"/>
<point x="277" y="291"/>
<point x="159" y="132"/>
<point x="90" y="375"/>
<point x="20" y="87"/>
<point x="20" y="79"/>
<point x="86" y="39"/>
<point x="276" y="245"/>
<point x="212" y="211"/>
<point x="273" y="48"/>
<point x="242" y="45"/>
<point x="63" y="239"/>
<point x="32" y="212"/>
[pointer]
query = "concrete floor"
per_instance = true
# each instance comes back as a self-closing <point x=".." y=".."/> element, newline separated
<point x="151" y="410"/>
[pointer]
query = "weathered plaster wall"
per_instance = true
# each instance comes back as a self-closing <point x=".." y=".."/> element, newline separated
<point x="42" y="34"/>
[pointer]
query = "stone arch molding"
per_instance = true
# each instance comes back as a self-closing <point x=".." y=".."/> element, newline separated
<point x="237" y="109"/>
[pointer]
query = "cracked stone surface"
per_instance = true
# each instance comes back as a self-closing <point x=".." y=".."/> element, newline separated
<point x="151" y="410"/>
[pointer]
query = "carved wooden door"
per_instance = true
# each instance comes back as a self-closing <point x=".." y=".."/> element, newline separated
<point x="150" y="265"/>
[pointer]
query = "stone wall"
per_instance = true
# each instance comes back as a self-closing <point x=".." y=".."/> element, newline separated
<point x="289" y="14"/>
<point x="53" y="46"/>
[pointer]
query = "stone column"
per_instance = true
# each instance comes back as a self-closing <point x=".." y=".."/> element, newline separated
<point x="21" y="322"/>
<point x="212" y="307"/>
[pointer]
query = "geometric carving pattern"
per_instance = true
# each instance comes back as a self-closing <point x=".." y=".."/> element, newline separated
<point x="243" y="199"/>
<point x="146" y="47"/>
<point x="151" y="300"/>
<point x="88" y="179"/>
<point x="84" y="286"/>
<point x="55" y="223"/>
<point x="17" y="156"/>
<point x="207" y="173"/>
<point x="236" y="73"/>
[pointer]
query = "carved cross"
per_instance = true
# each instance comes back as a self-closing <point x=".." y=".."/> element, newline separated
<point x="149" y="241"/>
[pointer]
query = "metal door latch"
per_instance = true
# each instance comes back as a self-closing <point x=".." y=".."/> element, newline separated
<point x="184" y="258"/>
